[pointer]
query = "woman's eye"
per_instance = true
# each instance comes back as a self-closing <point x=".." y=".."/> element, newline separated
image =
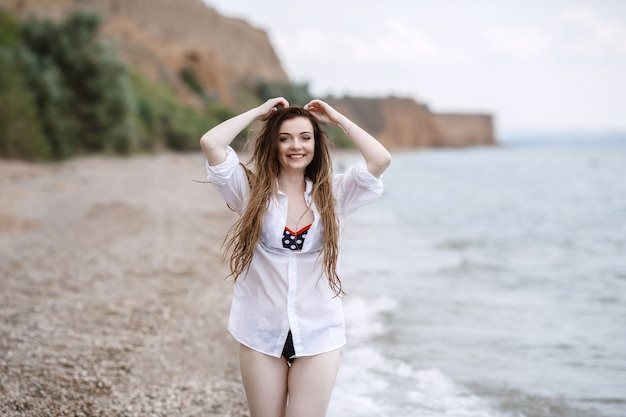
<point x="283" y="138"/>
<point x="306" y="137"/>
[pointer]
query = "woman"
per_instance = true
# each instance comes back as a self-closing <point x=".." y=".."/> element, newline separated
<point x="286" y="308"/>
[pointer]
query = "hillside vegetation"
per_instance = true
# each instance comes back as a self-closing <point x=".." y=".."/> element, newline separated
<point x="64" y="92"/>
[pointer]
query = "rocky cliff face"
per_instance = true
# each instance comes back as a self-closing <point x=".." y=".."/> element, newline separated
<point x="161" y="37"/>
<point x="396" y="122"/>
<point x="402" y="123"/>
<point x="465" y="129"/>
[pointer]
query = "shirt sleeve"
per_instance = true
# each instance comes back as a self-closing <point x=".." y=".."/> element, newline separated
<point x="230" y="180"/>
<point x="356" y="188"/>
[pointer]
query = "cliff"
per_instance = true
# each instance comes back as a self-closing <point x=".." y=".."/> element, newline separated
<point x="402" y="123"/>
<point x="465" y="129"/>
<point x="161" y="37"/>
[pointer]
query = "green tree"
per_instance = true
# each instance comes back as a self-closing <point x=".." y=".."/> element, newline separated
<point x="21" y="135"/>
<point x="82" y="90"/>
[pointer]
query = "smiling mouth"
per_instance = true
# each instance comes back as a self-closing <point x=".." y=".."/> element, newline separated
<point x="296" y="156"/>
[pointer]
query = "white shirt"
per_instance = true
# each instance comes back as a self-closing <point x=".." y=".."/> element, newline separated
<point x="283" y="289"/>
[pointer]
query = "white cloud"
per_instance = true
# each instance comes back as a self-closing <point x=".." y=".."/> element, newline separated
<point x="594" y="35"/>
<point x="522" y="43"/>
<point x="400" y="42"/>
<point x="535" y="64"/>
<point x="391" y="42"/>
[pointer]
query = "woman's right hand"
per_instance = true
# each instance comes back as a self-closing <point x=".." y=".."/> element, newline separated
<point x="270" y="105"/>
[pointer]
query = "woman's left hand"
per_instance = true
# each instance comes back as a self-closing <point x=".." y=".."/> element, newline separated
<point x="376" y="156"/>
<point x="323" y="112"/>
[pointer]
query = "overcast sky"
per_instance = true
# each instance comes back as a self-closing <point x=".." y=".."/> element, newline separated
<point x="537" y="65"/>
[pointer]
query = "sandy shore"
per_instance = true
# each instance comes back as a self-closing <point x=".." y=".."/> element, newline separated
<point x="112" y="294"/>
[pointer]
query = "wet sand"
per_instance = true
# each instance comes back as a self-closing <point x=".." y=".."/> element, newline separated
<point x="113" y="300"/>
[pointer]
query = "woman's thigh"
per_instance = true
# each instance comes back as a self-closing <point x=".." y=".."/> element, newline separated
<point x="265" y="381"/>
<point x="310" y="384"/>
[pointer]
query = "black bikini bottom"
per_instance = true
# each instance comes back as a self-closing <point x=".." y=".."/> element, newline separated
<point x="289" y="352"/>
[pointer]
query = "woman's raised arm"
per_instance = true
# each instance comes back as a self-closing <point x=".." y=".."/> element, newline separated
<point x="215" y="141"/>
<point x="376" y="156"/>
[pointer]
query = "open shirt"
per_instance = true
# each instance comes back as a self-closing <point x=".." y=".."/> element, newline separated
<point x="283" y="289"/>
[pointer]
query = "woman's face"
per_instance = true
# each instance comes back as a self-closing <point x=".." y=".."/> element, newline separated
<point x="296" y="144"/>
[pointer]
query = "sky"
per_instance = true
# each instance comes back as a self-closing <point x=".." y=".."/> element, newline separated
<point x="548" y="66"/>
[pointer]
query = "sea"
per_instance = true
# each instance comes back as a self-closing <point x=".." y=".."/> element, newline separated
<point x="489" y="282"/>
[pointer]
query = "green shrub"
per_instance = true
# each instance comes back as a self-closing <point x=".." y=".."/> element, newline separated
<point x="338" y="136"/>
<point x="294" y="93"/>
<point x="81" y="89"/>
<point x="182" y="128"/>
<point x="21" y="135"/>
<point x="158" y="115"/>
<point x="51" y="98"/>
<point x="9" y="30"/>
<point x="190" y="78"/>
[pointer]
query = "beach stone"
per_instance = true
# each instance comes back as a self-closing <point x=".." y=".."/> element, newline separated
<point x="112" y="293"/>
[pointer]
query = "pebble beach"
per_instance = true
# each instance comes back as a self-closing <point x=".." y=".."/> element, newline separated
<point x="113" y="296"/>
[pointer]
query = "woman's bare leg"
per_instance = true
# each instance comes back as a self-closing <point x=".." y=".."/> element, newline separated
<point x="265" y="381"/>
<point x="311" y="381"/>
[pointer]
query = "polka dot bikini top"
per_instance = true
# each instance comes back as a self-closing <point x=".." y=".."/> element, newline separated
<point x="294" y="241"/>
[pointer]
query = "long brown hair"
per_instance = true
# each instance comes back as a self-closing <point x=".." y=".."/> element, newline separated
<point x="243" y="237"/>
